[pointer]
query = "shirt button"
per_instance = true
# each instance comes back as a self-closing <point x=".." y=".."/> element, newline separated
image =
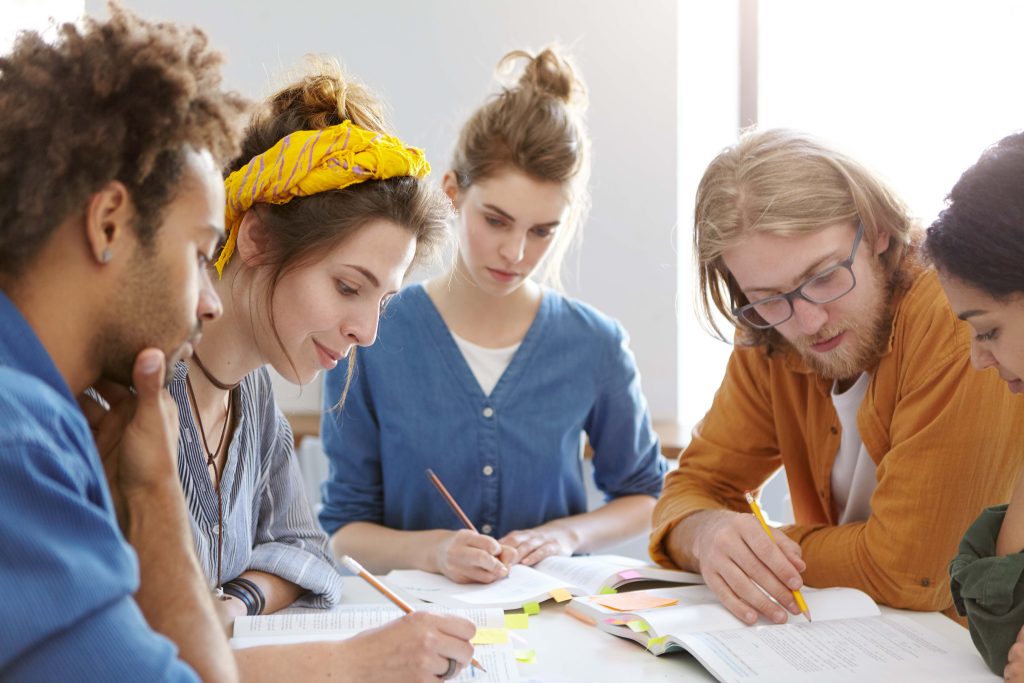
<point x="488" y="470"/>
<point x="833" y="430"/>
<point x="925" y="583"/>
<point x="488" y="411"/>
<point x="216" y="530"/>
<point x="486" y="528"/>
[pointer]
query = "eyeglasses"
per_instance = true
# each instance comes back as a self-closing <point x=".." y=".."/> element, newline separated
<point x="828" y="285"/>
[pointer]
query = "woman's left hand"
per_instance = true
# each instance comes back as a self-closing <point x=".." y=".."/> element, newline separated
<point x="533" y="545"/>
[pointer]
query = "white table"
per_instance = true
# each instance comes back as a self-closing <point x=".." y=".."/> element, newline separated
<point x="570" y="651"/>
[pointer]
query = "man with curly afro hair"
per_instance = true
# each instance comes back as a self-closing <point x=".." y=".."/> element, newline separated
<point x="111" y="203"/>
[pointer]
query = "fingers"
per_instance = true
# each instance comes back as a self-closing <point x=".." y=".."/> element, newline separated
<point x="148" y="374"/>
<point x="751" y="572"/>
<point x="535" y="545"/>
<point x="440" y="638"/>
<point x="473" y="558"/>
<point x="791" y="549"/>
<point x="509" y="555"/>
<point x="537" y="550"/>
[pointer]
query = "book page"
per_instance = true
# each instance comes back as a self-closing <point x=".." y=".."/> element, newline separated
<point x="698" y="609"/>
<point x="888" y="648"/>
<point x="347" y="620"/>
<point x="587" y="573"/>
<point x="591" y="573"/>
<point x="522" y="585"/>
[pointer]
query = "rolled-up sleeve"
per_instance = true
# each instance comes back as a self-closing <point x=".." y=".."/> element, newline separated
<point x="988" y="589"/>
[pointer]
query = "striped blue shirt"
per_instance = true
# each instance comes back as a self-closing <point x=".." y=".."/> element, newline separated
<point x="268" y="523"/>
<point x="66" y="571"/>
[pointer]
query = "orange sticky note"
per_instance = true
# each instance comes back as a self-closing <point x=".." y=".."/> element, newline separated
<point x="629" y="602"/>
<point x="561" y="595"/>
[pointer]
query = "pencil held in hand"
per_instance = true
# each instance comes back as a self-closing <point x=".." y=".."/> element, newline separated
<point x="357" y="569"/>
<point x="756" y="509"/>
<point x="451" y="501"/>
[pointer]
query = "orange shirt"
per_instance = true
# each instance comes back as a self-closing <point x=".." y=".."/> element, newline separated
<point x="945" y="439"/>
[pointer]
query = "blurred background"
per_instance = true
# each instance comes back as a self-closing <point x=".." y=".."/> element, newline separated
<point x="914" y="89"/>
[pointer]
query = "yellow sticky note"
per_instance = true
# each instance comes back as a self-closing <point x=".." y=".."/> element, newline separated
<point x="629" y="602"/>
<point x="637" y="625"/>
<point x="561" y="595"/>
<point x="518" y="621"/>
<point x="526" y="656"/>
<point x="608" y="590"/>
<point x="656" y="641"/>
<point x="532" y="608"/>
<point x="490" y="636"/>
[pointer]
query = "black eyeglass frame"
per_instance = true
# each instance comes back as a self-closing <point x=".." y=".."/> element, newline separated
<point x="740" y="312"/>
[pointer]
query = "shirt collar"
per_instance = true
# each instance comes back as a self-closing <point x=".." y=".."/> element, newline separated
<point x="21" y="349"/>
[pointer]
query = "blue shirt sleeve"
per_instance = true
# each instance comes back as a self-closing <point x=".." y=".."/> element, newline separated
<point x="68" y="574"/>
<point x="627" y="457"/>
<point x="354" y="488"/>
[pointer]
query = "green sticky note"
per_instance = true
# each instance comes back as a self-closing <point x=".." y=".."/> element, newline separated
<point x="637" y="626"/>
<point x="532" y="608"/>
<point x="517" y="621"/>
<point x="526" y="656"/>
<point x="608" y="590"/>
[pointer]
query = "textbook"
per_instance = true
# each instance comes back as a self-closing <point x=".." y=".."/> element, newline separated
<point x="849" y="639"/>
<point x="556" y="577"/>
<point x="345" y="621"/>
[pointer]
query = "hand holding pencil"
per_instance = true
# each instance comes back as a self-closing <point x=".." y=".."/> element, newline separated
<point x="756" y="509"/>
<point x="752" y="572"/>
<point x="467" y="556"/>
<point x="449" y="649"/>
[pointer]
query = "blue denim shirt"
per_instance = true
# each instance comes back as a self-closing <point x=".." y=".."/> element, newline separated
<point x="67" y="573"/>
<point x="511" y="459"/>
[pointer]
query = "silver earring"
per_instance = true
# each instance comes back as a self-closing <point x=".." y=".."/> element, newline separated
<point x="106" y="256"/>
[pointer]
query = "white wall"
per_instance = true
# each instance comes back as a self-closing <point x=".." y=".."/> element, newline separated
<point x="433" y="62"/>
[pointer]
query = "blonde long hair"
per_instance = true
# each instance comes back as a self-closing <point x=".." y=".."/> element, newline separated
<point x="785" y="182"/>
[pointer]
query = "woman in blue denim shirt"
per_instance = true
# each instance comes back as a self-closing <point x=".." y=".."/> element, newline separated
<point x="490" y="378"/>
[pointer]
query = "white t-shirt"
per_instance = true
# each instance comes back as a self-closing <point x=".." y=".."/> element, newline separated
<point x="488" y="365"/>
<point x="853" y="472"/>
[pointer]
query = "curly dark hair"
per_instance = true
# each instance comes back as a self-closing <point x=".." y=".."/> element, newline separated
<point x="979" y="237"/>
<point x="122" y="99"/>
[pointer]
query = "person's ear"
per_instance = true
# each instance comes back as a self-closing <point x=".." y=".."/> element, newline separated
<point x="882" y="242"/>
<point x="450" y="185"/>
<point x="108" y="222"/>
<point x="252" y="243"/>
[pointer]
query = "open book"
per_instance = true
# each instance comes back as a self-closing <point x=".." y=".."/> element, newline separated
<point x="848" y="641"/>
<point x="345" y="621"/>
<point x="556" y="577"/>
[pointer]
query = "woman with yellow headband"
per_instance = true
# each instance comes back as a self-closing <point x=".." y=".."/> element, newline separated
<point x="325" y="214"/>
<point x="490" y="378"/>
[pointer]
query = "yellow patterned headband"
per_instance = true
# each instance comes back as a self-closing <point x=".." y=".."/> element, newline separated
<point x="310" y="161"/>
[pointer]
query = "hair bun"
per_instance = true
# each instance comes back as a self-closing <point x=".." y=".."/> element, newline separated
<point x="548" y="72"/>
<point x="319" y="97"/>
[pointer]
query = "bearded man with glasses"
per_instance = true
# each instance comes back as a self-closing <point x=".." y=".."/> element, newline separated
<point x="849" y="371"/>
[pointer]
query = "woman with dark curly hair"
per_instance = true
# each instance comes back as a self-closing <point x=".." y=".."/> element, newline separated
<point x="111" y="141"/>
<point x="977" y="246"/>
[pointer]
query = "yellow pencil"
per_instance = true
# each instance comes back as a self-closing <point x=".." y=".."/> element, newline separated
<point x="768" y="530"/>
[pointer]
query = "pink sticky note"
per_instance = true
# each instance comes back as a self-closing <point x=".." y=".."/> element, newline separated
<point x="628" y="602"/>
<point x="629" y="574"/>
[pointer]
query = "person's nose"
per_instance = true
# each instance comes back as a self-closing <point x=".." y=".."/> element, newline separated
<point x="209" y="306"/>
<point x="981" y="357"/>
<point x="809" y="317"/>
